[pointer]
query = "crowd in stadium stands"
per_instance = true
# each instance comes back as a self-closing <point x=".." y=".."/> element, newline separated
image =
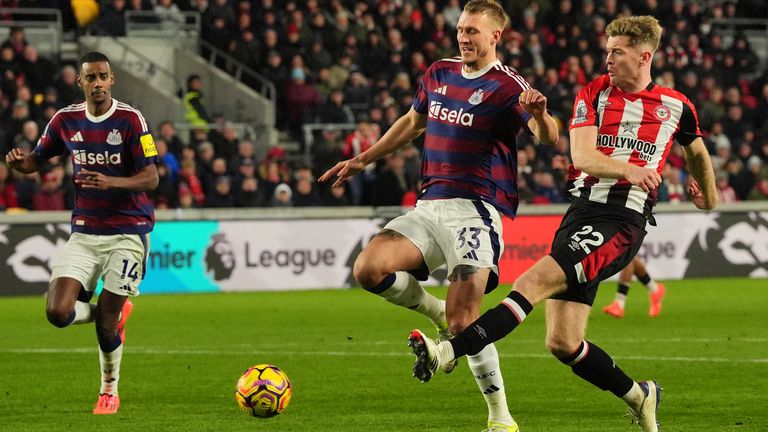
<point x="356" y="61"/>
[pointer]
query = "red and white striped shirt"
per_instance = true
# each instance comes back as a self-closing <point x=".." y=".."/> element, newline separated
<point x="637" y="128"/>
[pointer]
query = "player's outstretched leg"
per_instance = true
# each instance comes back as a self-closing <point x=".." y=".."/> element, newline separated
<point x="645" y="414"/>
<point x="112" y="312"/>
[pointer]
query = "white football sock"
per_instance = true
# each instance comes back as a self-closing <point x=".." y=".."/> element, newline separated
<point x="621" y="299"/>
<point x="651" y="285"/>
<point x="407" y="292"/>
<point x="84" y="312"/>
<point x="635" y="396"/>
<point x="485" y="368"/>
<point x="110" y="370"/>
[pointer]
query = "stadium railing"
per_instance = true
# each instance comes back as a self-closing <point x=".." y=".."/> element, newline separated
<point x="42" y="28"/>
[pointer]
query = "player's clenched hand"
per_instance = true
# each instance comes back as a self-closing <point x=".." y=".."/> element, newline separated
<point x="14" y="158"/>
<point x="93" y="180"/>
<point x="697" y="197"/>
<point x="533" y="102"/>
<point x="342" y="171"/>
<point x="645" y="178"/>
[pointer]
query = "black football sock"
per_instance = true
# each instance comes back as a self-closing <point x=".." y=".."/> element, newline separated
<point x="623" y="289"/>
<point x="492" y="325"/>
<point x="595" y="366"/>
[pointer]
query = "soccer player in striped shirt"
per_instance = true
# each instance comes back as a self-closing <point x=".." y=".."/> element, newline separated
<point x="113" y="157"/>
<point x="622" y="130"/>
<point x="470" y="108"/>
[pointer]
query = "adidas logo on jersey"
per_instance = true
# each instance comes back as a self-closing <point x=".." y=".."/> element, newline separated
<point x="82" y="157"/>
<point x="471" y="255"/>
<point x="442" y="90"/>
<point x="77" y="137"/>
<point x="439" y="112"/>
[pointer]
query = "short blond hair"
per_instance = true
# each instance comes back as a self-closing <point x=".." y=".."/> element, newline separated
<point x="490" y="7"/>
<point x="642" y="30"/>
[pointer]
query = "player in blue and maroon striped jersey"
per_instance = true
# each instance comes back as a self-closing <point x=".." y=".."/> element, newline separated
<point x="113" y="156"/>
<point x="470" y="109"/>
<point x="622" y="129"/>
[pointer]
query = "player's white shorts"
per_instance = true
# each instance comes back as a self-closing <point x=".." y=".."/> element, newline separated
<point x="452" y="232"/>
<point x="120" y="260"/>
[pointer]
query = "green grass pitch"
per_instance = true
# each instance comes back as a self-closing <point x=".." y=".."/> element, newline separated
<point x="346" y="354"/>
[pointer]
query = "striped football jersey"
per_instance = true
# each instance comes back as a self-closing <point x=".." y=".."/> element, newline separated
<point x="638" y="128"/>
<point x="470" y="149"/>
<point x="117" y="144"/>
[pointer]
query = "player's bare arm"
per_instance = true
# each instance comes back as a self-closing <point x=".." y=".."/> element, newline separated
<point x="145" y="180"/>
<point x="702" y="191"/>
<point x="403" y="131"/>
<point x="587" y="158"/>
<point x="541" y="123"/>
<point x="20" y="161"/>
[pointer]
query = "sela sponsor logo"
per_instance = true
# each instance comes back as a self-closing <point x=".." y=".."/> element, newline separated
<point x="439" y="112"/>
<point x="82" y="157"/>
<point x="645" y="149"/>
<point x="298" y="260"/>
<point x="662" y="112"/>
<point x="114" y="138"/>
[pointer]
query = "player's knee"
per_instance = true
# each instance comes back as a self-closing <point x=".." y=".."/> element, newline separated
<point x="458" y="322"/>
<point x="560" y="347"/>
<point x="59" y="316"/>
<point x="367" y="271"/>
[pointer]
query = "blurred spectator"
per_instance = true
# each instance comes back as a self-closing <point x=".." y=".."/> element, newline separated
<point x="249" y="194"/>
<point x="167" y="131"/>
<point x="305" y="194"/>
<point x="190" y="183"/>
<point x="391" y="184"/>
<point x="37" y="70"/>
<point x="221" y="194"/>
<point x="195" y="111"/>
<point x="167" y="159"/>
<point x="50" y="196"/>
<point x="336" y="197"/>
<point x="725" y="192"/>
<point x="66" y="86"/>
<point x="112" y="19"/>
<point x="27" y="139"/>
<point x="300" y="97"/>
<point x="166" y="193"/>
<point x="7" y="189"/>
<point x="13" y="125"/>
<point x="282" y="196"/>
<point x="335" y="110"/>
<point x="227" y="143"/>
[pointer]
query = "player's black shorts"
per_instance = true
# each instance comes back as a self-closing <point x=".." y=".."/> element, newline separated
<point x="594" y="242"/>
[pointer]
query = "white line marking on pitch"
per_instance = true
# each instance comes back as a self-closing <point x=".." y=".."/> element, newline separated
<point x="157" y="351"/>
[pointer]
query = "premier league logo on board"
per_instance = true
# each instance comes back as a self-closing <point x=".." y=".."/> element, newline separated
<point x="219" y="258"/>
<point x="476" y="97"/>
<point x="662" y="113"/>
<point x="738" y="243"/>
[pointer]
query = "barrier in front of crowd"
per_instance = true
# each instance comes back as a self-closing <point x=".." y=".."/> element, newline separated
<point x="315" y="248"/>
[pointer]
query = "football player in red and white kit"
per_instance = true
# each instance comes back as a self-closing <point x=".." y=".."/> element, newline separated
<point x="622" y="130"/>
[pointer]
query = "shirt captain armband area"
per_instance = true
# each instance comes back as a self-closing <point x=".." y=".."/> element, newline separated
<point x="148" y="145"/>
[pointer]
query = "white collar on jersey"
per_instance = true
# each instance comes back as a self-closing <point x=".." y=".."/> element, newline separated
<point x="102" y="117"/>
<point x="481" y="72"/>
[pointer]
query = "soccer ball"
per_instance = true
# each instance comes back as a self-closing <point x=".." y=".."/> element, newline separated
<point x="263" y="391"/>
